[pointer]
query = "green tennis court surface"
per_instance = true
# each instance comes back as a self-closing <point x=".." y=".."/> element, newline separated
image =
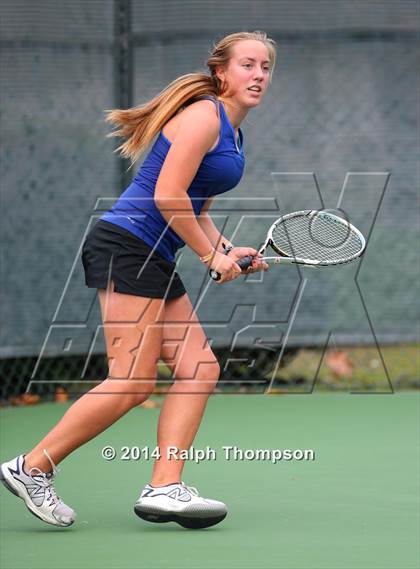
<point x="354" y="506"/>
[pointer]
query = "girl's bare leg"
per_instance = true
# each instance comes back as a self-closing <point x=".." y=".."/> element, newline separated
<point x="196" y="371"/>
<point x="133" y="342"/>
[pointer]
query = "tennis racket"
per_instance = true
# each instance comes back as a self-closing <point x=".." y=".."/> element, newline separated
<point x="310" y="238"/>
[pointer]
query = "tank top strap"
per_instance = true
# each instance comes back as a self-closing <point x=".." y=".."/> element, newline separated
<point x="209" y="98"/>
<point x="215" y="101"/>
<point x="226" y="129"/>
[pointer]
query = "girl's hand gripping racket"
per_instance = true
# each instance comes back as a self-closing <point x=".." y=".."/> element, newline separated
<point x="310" y="238"/>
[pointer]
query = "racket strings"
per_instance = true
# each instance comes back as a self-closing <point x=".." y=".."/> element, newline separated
<point x="316" y="238"/>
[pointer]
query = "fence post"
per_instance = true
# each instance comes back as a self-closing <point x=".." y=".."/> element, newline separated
<point x="123" y="76"/>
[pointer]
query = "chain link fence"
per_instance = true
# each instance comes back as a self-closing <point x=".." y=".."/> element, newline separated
<point x="340" y="112"/>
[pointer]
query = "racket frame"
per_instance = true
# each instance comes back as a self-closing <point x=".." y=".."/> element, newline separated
<point x="287" y="259"/>
<point x="284" y="258"/>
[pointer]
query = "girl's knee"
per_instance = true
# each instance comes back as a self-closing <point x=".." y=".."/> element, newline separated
<point x="204" y="375"/>
<point x="133" y="392"/>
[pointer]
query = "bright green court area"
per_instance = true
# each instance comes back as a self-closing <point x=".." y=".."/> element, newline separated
<point x="354" y="506"/>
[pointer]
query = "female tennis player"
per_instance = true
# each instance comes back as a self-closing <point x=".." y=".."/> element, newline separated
<point x="129" y="256"/>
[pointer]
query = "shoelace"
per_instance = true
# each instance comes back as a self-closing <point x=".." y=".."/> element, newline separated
<point x="190" y="489"/>
<point x="45" y="480"/>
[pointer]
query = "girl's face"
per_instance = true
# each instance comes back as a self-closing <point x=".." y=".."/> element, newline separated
<point x="248" y="73"/>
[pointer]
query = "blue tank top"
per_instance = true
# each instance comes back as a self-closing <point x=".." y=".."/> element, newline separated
<point x="220" y="170"/>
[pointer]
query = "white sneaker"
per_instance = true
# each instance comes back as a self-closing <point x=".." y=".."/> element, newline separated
<point x="179" y="503"/>
<point x="37" y="491"/>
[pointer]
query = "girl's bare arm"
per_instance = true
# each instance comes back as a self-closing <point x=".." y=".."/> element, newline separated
<point x="197" y="133"/>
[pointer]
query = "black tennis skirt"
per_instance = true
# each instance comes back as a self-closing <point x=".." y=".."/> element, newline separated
<point x="113" y="253"/>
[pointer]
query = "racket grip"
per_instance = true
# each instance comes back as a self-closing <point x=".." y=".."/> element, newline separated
<point x="243" y="263"/>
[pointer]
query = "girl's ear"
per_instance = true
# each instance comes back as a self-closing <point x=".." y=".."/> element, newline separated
<point x="220" y="72"/>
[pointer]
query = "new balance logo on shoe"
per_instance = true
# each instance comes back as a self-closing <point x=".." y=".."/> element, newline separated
<point x="179" y="494"/>
<point x="37" y="494"/>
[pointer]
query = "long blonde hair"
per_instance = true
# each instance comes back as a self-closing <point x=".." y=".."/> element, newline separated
<point x="139" y="125"/>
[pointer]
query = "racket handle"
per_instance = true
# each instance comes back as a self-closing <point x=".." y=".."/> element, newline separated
<point x="243" y="263"/>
